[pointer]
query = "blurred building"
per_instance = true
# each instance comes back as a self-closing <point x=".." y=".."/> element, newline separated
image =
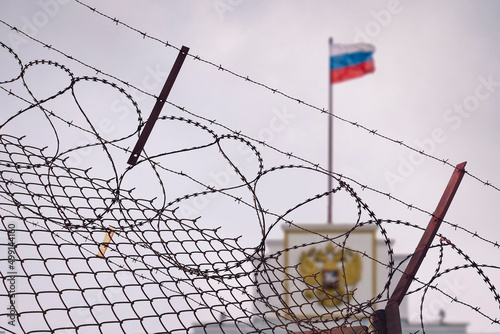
<point x="316" y="261"/>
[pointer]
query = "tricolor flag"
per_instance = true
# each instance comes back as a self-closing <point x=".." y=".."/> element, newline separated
<point x="349" y="61"/>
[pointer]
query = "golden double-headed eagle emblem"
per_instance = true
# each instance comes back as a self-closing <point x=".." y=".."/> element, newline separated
<point x="330" y="274"/>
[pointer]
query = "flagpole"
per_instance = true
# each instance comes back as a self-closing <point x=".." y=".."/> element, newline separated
<point x="330" y="134"/>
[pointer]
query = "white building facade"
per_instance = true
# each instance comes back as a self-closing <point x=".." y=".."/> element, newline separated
<point x="339" y="266"/>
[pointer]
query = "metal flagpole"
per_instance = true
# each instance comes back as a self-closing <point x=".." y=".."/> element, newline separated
<point x="330" y="134"/>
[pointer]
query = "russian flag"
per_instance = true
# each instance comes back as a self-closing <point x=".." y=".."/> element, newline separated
<point x="349" y="61"/>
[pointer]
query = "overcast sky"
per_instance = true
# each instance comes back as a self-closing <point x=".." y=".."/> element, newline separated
<point x="436" y="87"/>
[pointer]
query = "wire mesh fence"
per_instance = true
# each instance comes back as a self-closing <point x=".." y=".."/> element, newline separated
<point x="158" y="273"/>
<point x="86" y="254"/>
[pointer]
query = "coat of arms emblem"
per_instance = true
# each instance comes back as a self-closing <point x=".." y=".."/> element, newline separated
<point x="330" y="274"/>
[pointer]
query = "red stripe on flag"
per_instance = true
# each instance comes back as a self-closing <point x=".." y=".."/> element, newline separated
<point x="351" y="72"/>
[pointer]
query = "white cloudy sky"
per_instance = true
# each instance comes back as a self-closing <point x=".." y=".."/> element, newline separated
<point x="436" y="88"/>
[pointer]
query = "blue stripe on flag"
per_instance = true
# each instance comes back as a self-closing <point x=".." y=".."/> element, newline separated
<point x="350" y="59"/>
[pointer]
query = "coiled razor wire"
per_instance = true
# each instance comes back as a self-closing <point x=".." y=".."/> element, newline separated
<point x="161" y="271"/>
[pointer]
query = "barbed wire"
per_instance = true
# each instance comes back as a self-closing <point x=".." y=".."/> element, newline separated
<point x="279" y="92"/>
<point x="180" y="275"/>
<point x="145" y="35"/>
<point x="59" y="204"/>
<point x="289" y="154"/>
<point x="410" y="206"/>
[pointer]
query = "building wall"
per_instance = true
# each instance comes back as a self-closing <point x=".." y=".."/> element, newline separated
<point x="269" y="288"/>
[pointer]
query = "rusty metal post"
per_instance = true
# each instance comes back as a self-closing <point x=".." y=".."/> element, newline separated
<point x="158" y="106"/>
<point x="393" y="320"/>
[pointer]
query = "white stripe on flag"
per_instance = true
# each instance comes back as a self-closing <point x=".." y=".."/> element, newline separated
<point x="338" y="49"/>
